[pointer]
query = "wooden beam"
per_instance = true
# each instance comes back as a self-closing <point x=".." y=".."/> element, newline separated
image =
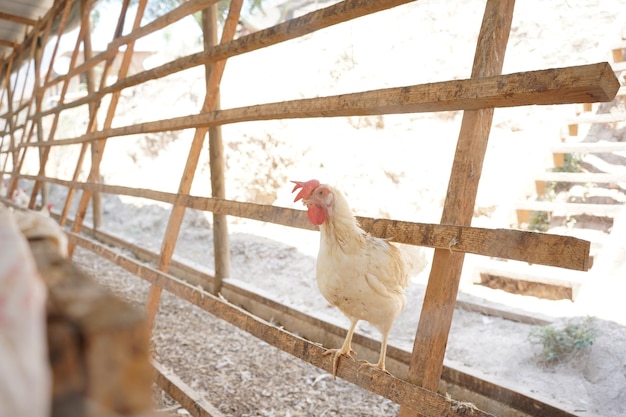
<point x="17" y="19"/>
<point x="217" y="163"/>
<point x="189" y="399"/>
<point x="547" y="249"/>
<point x="440" y="298"/>
<point x="593" y="82"/>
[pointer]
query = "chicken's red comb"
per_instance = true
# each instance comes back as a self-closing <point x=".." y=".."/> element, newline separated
<point x="307" y="188"/>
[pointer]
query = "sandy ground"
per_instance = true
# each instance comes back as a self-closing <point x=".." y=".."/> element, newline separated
<point x="390" y="166"/>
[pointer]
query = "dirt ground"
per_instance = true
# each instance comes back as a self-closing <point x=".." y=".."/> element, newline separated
<point x="389" y="166"/>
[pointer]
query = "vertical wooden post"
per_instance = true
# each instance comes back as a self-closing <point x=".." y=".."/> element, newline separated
<point x="216" y="159"/>
<point x="435" y="321"/>
<point x="178" y="211"/>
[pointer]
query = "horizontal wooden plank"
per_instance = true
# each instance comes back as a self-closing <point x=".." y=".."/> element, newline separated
<point x="378" y="382"/>
<point x="547" y="280"/>
<point x="583" y="177"/>
<point x="607" y="210"/>
<point x="312" y="328"/>
<point x="535" y="273"/>
<point x="189" y="399"/>
<point x="17" y="19"/>
<point x="581" y="84"/>
<point x="553" y="250"/>
<point x="589" y="147"/>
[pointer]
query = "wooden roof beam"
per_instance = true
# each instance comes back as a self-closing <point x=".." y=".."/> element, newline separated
<point x="17" y="19"/>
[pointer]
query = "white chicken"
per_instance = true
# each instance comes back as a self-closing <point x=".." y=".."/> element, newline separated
<point x="362" y="275"/>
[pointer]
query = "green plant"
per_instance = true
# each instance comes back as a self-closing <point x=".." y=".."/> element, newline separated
<point x="571" y="163"/>
<point x="539" y="221"/>
<point x="560" y="343"/>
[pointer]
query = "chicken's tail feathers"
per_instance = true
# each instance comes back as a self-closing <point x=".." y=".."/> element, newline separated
<point x="414" y="257"/>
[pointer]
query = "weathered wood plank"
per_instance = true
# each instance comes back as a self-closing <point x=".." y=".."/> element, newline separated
<point x="429" y="348"/>
<point x="99" y="345"/>
<point x="586" y="83"/>
<point x="190" y="400"/>
<point x="17" y="19"/>
<point x="547" y="249"/>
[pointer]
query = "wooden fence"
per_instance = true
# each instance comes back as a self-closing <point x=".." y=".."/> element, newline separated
<point x="421" y="372"/>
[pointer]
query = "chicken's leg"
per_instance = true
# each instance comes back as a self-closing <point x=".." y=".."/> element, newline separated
<point x="346" y="348"/>
<point x="383" y="354"/>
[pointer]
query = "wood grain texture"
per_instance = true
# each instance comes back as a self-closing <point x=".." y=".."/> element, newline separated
<point x="189" y="399"/>
<point x="435" y="321"/>
<point x="586" y="83"/>
<point x="547" y="249"/>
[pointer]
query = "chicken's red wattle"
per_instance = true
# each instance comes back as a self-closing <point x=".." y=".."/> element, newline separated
<point x="316" y="214"/>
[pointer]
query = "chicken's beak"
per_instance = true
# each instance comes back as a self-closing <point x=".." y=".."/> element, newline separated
<point x="306" y="188"/>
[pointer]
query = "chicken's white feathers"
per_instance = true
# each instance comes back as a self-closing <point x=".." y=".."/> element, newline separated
<point x="364" y="276"/>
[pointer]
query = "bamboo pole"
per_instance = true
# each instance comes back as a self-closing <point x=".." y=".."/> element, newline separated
<point x="178" y="211"/>
<point x="439" y="301"/>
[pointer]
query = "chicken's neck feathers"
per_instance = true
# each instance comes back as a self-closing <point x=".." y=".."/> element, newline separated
<point x="341" y="230"/>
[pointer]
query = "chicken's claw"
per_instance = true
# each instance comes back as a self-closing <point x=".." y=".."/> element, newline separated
<point x="307" y="188"/>
<point x="366" y="364"/>
<point x="337" y="353"/>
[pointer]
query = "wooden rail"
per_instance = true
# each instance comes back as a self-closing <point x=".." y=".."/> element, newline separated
<point x="552" y="250"/>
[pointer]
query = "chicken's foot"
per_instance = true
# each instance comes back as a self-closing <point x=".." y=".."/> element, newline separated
<point x="337" y="353"/>
<point x="366" y="364"/>
<point x="346" y="348"/>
